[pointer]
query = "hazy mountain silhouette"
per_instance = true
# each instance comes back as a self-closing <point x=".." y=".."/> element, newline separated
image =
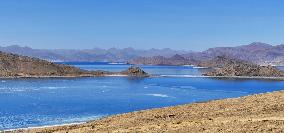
<point x="257" y="52"/>
<point x="90" y="55"/>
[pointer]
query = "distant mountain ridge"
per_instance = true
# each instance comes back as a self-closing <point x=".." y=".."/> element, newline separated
<point x="90" y="55"/>
<point x="257" y="53"/>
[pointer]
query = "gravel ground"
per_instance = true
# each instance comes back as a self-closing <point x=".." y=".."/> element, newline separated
<point x="256" y="113"/>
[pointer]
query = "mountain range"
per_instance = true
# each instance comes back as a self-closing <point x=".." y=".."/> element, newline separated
<point x="90" y="55"/>
<point x="256" y="52"/>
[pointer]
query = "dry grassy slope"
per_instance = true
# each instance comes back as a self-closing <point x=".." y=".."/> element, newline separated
<point x="12" y="65"/>
<point x="15" y="65"/>
<point x="257" y="113"/>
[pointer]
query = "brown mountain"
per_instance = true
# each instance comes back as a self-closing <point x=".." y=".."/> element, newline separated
<point x="224" y="66"/>
<point x="161" y="60"/>
<point x="220" y="61"/>
<point x="257" y="53"/>
<point x="12" y="65"/>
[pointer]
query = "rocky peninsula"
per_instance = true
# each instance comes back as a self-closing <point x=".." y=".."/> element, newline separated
<point x="15" y="66"/>
<point x="225" y="66"/>
<point x="256" y="113"/>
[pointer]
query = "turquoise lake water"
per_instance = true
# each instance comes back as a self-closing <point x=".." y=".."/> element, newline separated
<point x="51" y="101"/>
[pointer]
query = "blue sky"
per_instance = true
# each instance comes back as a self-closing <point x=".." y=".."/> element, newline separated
<point x="178" y="24"/>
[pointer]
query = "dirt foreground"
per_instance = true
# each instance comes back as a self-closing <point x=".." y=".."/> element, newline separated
<point x="256" y="113"/>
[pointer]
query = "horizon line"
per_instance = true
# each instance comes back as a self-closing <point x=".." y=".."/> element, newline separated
<point x="130" y="47"/>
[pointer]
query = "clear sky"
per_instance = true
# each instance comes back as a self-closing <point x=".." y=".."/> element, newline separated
<point x="178" y="24"/>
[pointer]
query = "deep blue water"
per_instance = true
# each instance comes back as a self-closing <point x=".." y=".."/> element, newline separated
<point x="50" y="101"/>
<point x="281" y="68"/>
<point x="155" y="70"/>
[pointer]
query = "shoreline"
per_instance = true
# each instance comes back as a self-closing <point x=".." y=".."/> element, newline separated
<point x="240" y="104"/>
<point x="46" y="126"/>
<point x="124" y="75"/>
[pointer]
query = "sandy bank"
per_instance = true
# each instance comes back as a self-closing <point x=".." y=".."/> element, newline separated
<point x="256" y="113"/>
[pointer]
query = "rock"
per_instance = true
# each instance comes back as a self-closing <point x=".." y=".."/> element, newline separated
<point x="135" y="71"/>
<point x="12" y="65"/>
<point x="234" y="67"/>
<point x="221" y="61"/>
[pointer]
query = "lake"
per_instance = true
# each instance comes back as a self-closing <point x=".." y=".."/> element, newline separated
<point x="52" y="101"/>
